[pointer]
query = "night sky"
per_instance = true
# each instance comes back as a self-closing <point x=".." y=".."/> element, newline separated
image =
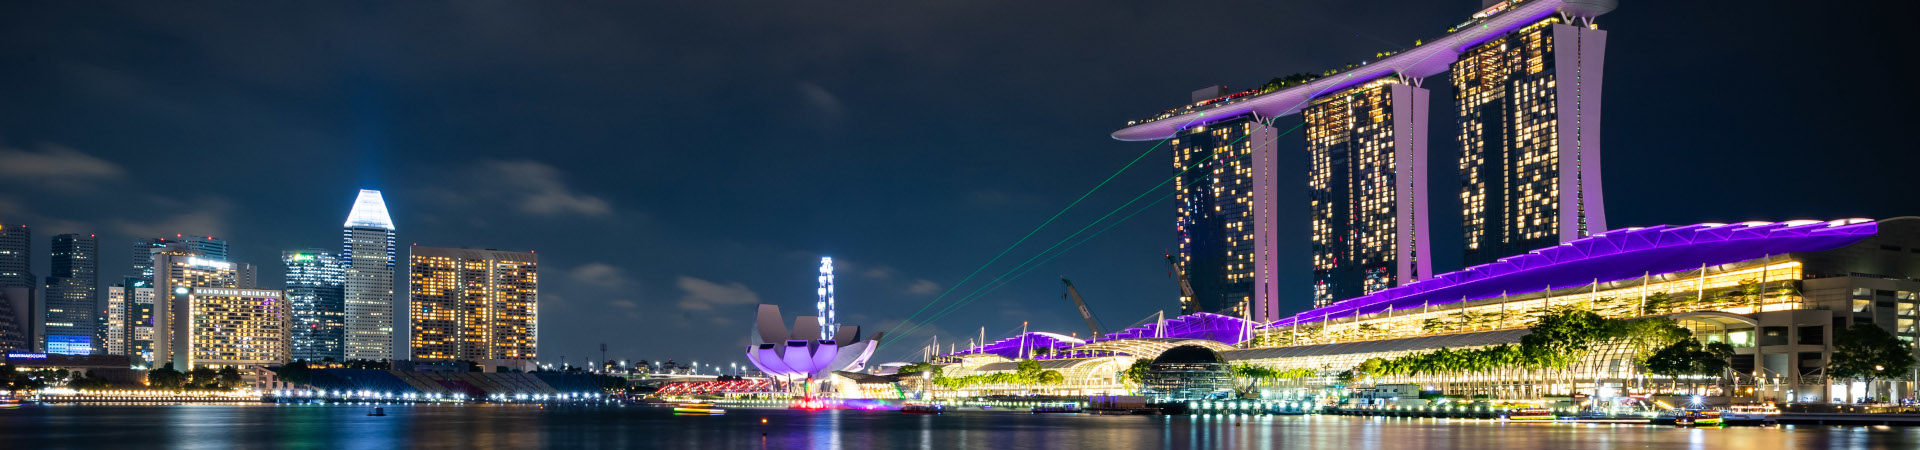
<point x="674" y="163"/>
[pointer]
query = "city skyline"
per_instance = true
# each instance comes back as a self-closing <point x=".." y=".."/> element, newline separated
<point x="697" y="247"/>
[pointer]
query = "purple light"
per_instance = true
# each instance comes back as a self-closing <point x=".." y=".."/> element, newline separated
<point x="1614" y="256"/>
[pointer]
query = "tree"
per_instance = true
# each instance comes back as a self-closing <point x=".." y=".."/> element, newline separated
<point x="1136" y="374"/>
<point x="166" y="377"/>
<point x="296" y="373"/>
<point x="1866" y="352"/>
<point x="203" y="377"/>
<point x="229" y="378"/>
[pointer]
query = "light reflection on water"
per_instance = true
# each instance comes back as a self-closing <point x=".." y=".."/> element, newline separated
<point x="519" y="426"/>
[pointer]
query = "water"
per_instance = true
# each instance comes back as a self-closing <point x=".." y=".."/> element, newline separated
<point x="521" y="426"/>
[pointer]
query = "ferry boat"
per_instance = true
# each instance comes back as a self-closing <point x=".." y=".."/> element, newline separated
<point x="1751" y="415"/>
<point x="923" y="408"/>
<point x="1532" y="414"/>
<point x="1056" y="409"/>
<point x="698" y="408"/>
<point x="1698" y="418"/>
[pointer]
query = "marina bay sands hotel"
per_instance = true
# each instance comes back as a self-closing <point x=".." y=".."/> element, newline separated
<point x="1526" y="78"/>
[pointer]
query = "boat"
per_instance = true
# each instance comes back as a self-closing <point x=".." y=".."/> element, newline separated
<point x="1698" y="418"/>
<point x="923" y="408"/>
<point x="697" y="408"/>
<point x="1056" y="409"/>
<point x="1531" y="414"/>
<point x="377" y="411"/>
<point x="1765" y="414"/>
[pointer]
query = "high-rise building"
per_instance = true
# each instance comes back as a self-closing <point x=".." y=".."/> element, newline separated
<point x="473" y="305"/>
<point x="1527" y="81"/>
<point x="1366" y="147"/>
<point x="129" y="320"/>
<point x="1529" y="128"/>
<point x="19" y="289"/>
<point x="72" y="295"/>
<point x="205" y="246"/>
<point x="316" y="290"/>
<point x="1215" y="213"/>
<point x="368" y="253"/>
<point x="204" y="318"/>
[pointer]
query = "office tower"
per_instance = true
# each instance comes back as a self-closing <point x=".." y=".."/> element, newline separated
<point x="114" y="328"/>
<point x="19" y="287"/>
<point x="473" y="305"/>
<point x="368" y="254"/>
<point x="130" y="314"/>
<point x="316" y="291"/>
<point x="1529" y="127"/>
<point x="205" y="246"/>
<point x="204" y="318"/>
<point x="72" y="295"/>
<point x="1366" y="147"/>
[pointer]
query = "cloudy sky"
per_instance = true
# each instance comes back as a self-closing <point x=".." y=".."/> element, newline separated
<point x="675" y="163"/>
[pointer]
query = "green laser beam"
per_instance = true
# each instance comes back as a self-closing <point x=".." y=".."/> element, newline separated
<point x="1023" y="239"/>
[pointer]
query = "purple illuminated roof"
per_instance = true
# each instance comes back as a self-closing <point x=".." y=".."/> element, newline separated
<point x="1010" y="347"/>
<point x="1418" y="62"/>
<point x="1613" y="256"/>
<point x="1210" y="326"/>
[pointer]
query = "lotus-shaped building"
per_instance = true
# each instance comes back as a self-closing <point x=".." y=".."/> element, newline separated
<point x="801" y="352"/>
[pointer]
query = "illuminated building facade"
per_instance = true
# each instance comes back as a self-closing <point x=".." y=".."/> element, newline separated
<point x="1215" y="210"/>
<point x="1529" y="129"/>
<point x="19" y="327"/>
<point x="205" y="246"/>
<point x="368" y="254"/>
<point x="316" y="294"/>
<point x="241" y="328"/>
<point x="72" y="294"/>
<point x="205" y="315"/>
<point x="1366" y="149"/>
<point x="473" y="305"/>
<point x="129" y="324"/>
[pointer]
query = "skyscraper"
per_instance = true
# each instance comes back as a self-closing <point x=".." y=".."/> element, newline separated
<point x="205" y="246"/>
<point x="1367" y="151"/>
<point x="129" y="319"/>
<point x="473" y="305"/>
<point x="18" y="289"/>
<point x="1215" y="212"/>
<point x="72" y="295"/>
<point x="316" y="291"/>
<point x="368" y="254"/>
<point x="1529" y="127"/>
<point x="204" y="318"/>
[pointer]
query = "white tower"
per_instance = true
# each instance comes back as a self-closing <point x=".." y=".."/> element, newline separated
<point x="367" y="254"/>
<point x="825" y="305"/>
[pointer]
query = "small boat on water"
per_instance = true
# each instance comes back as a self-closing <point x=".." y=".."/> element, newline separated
<point x="698" y="409"/>
<point x="1056" y="409"/>
<point x="923" y="408"/>
<point x="1698" y="418"/>
<point x="1765" y="414"/>
<point x="1531" y="414"/>
<point x="377" y="411"/>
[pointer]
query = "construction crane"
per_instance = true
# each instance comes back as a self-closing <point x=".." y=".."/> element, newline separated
<point x="1186" y="288"/>
<point x="1092" y="324"/>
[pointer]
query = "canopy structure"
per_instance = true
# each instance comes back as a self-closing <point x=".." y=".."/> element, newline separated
<point x="1612" y="256"/>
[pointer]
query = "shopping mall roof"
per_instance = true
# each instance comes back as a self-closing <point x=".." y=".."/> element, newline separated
<point x="1612" y="256"/>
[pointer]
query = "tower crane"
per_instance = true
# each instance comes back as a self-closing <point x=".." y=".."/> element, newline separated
<point x="1092" y="324"/>
<point x="1186" y="288"/>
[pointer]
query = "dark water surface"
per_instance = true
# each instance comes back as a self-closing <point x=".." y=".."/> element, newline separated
<point x="493" y="426"/>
